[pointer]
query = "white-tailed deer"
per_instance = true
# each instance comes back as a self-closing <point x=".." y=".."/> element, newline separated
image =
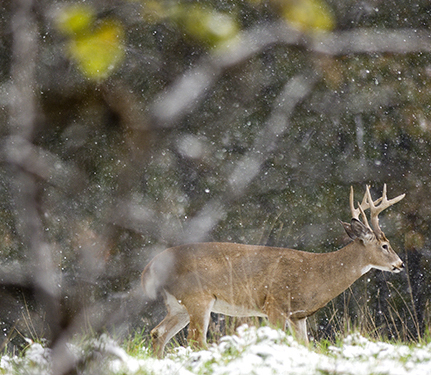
<point x="281" y="284"/>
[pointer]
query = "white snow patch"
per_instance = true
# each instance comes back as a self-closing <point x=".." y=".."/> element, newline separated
<point x="259" y="351"/>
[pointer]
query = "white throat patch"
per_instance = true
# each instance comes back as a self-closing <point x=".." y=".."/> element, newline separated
<point x="365" y="269"/>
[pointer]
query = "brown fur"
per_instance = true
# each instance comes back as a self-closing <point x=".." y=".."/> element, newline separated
<point x="282" y="284"/>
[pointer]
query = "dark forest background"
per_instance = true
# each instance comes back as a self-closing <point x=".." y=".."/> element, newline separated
<point x="127" y="127"/>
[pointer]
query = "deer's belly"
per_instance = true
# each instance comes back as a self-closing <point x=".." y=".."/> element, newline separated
<point x="223" y="307"/>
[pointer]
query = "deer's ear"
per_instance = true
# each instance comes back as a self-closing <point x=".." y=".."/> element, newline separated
<point x="348" y="230"/>
<point x="358" y="230"/>
<point x="361" y="231"/>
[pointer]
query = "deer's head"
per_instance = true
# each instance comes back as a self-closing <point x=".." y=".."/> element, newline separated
<point x="377" y="248"/>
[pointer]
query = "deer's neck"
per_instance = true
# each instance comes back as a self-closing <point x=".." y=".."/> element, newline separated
<point x="350" y="261"/>
<point x="337" y="271"/>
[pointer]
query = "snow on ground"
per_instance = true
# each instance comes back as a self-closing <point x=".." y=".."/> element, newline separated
<point x="261" y="351"/>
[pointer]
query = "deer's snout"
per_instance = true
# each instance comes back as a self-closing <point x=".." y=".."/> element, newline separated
<point x="398" y="267"/>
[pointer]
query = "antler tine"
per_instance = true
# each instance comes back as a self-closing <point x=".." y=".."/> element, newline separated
<point x="364" y="216"/>
<point x="384" y="203"/>
<point x="361" y="207"/>
<point x="355" y="212"/>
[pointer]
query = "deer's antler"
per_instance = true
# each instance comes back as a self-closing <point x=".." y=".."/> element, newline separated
<point x="375" y="210"/>
<point x="361" y="206"/>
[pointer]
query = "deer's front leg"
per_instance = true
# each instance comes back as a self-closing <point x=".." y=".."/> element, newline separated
<point x="299" y="329"/>
<point x="276" y="314"/>
<point x="200" y="312"/>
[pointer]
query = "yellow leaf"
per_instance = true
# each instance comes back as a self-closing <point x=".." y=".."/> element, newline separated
<point x="99" y="52"/>
<point x="154" y="11"/>
<point x="206" y="24"/>
<point x="309" y="15"/>
<point x="75" y="19"/>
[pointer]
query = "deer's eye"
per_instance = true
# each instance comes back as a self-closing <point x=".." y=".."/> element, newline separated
<point x="385" y="247"/>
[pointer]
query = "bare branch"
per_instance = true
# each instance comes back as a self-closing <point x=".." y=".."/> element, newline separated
<point x="372" y="41"/>
<point x="187" y="91"/>
<point x="250" y="164"/>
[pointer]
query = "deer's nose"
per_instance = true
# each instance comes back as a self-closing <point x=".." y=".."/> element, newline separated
<point x="398" y="267"/>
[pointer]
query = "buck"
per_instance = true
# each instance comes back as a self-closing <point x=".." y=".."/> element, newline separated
<point x="283" y="285"/>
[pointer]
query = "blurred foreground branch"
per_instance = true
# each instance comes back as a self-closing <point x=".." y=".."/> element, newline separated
<point x="40" y="269"/>
<point x="189" y="90"/>
<point x="248" y="167"/>
<point x="372" y="41"/>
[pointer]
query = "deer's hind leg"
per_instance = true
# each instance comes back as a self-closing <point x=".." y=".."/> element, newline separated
<point x="176" y="319"/>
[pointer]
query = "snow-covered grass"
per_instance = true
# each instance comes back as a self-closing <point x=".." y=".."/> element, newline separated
<point x="260" y="351"/>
